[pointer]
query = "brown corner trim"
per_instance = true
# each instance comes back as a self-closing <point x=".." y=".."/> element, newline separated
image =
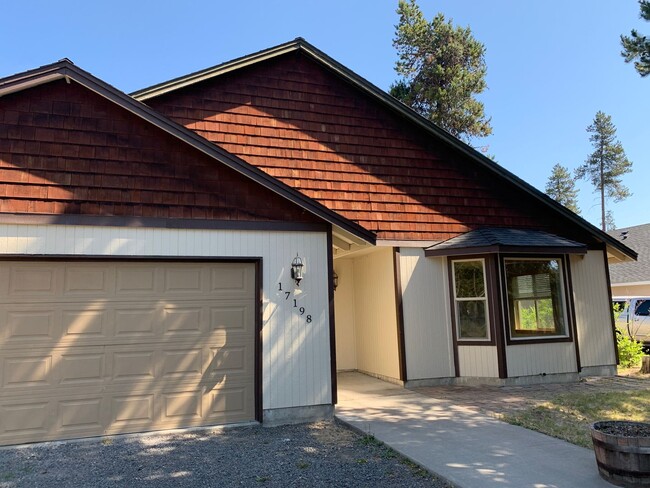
<point x="452" y="307"/>
<point x="399" y="307"/>
<point x="609" y="294"/>
<point x="259" y="286"/>
<point x="572" y="310"/>
<point x="120" y="221"/>
<point x="496" y="314"/>
<point x="330" y="296"/>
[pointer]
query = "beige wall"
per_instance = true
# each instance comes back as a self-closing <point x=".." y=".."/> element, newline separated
<point x="427" y="318"/>
<point x="631" y="290"/>
<point x="296" y="354"/>
<point x="593" y="310"/>
<point x="537" y="359"/>
<point x="346" y="348"/>
<point x="375" y="316"/>
<point x="478" y="361"/>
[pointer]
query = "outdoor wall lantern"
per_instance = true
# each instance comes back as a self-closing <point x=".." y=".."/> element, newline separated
<point x="296" y="269"/>
<point x="335" y="280"/>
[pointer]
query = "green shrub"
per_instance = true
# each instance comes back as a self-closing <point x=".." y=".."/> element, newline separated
<point x="630" y="351"/>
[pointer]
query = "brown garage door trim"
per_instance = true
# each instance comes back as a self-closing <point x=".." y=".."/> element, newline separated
<point x="257" y="261"/>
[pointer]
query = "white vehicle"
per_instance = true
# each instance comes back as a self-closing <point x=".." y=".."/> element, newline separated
<point x="633" y="317"/>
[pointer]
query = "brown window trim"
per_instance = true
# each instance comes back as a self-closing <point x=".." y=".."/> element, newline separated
<point x="568" y="300"/>
<point x="493" y="315"/>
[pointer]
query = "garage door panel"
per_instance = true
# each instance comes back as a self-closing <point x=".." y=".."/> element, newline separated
<point x="110" y="347"/>
<point x="185" y="320"/>
<point x="132" y="411"/>
<point x="233" y="316"/>
<point x="80" y="416"/>
<point x="85" y="322"/>
<point x="133" y="365"/>
<point x="229" y="281"/>
<point x="82" y="367"/>
<point x="83" y="280"/>
<point x="32" y="281"/>
<point x="232" y="402"/>
<point x="24" y="419"/>
<point x="179" y="407"/>
<point x="183" y="363"/>
<point x="189" y="280"/>
<point x="135" y="321"/>
<point x="25" y="324"/>
<point x="136" y="280"/>
<point x="27" y="371"/>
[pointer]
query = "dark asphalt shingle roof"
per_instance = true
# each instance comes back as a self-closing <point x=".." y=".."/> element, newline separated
<point x="505" y="240"/>
<point x="637" y="238"/>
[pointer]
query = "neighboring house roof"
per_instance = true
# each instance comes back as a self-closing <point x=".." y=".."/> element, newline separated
<point x="493" y="240"/>
<point x="637" y="238"/>
<point x="66" y="70"/>
<point x="384" y="212"/>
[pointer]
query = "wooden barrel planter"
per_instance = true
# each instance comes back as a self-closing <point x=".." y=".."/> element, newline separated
<point x="623" y="452"/>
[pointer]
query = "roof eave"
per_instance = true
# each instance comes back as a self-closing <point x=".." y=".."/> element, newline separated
<point x="505" y="249"/>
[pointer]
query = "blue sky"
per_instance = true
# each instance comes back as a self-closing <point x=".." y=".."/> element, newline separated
<point x="551" y="65"/>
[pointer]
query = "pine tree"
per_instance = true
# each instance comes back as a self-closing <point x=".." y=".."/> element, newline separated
<point x="605" y="166"/>
<point x="561" y="187"/>
<point x="637" y="47"/>
<point x="442" y="67"/>
<point x="610" y="224"/>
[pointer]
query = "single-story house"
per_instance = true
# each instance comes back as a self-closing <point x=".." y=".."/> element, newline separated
<point x="215" y="248"/>
<point x="632" y="279"/>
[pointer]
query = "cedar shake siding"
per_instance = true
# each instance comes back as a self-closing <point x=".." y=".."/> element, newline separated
<point x="304" y="125"/>
<point x="67" y="150"/>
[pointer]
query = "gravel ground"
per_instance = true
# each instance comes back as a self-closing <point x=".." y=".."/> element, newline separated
<point x="318" y="454"/>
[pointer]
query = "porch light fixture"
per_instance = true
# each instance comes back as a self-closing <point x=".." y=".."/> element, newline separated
<point x="335" y="280"/>
<point x="296" y="269"/>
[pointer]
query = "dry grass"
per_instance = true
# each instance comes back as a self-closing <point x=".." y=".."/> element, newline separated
<point x="568" y="416"/>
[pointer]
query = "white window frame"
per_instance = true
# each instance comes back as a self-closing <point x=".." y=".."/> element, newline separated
<point x="563" y="299"/>
<point x="469" y="299"/>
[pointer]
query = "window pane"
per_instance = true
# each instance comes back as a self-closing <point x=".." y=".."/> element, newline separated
<point x="644" y="308"/>
<point x="472" y="319"/>
<point x="535" y="298"/>
<point x="469" y="279"/>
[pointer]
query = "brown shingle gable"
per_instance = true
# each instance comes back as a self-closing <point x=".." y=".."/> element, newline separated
<point x="311" y="130"/>
<point x="67" y="150"/>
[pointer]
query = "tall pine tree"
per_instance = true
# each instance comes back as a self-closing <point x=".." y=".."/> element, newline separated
<point x="442" y="68"/>
<point x="637" y="47"/>
<point x="605" y="166"/>
<point x="561" y="187"/>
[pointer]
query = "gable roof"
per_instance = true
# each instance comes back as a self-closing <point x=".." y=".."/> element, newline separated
<point x="500" y="240"/>
<point x="616" y="248"/>
<point x="638" y="238"/>
<point x="65" y="69"/>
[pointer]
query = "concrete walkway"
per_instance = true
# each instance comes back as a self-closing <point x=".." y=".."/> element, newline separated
<point x="468" y="448"/>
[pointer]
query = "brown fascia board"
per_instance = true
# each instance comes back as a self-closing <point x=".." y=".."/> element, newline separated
<point x="503" y="249"/>
<point x="64" y="69"/>
<point x="299" y="44"/>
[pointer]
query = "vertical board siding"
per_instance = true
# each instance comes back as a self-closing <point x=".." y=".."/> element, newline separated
<point x="427" y="319"/>
<point x="375" y="316"/>
<point x="478" y="361"/>
<point x="296" y="359"/>
<point x="593" y="310"/>
<point x="537" y="359"/>
<point x="346" y="353"/>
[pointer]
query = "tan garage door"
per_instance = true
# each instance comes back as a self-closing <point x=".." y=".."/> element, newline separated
<point x="90" y="348"/>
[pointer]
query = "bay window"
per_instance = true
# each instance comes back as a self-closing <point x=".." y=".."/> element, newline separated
<point x="470" y="299"/>
<point x="535" y="297"/>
